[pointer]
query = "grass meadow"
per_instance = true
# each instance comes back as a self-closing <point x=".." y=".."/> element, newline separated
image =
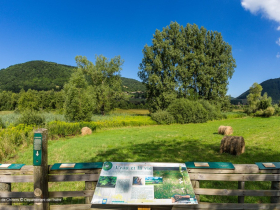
<point x="165" y="143"/>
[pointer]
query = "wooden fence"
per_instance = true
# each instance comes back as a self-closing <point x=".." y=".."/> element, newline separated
<point x="40" y="176"/>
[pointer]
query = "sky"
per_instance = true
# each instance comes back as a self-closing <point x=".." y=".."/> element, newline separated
<point x="57" y="31"/>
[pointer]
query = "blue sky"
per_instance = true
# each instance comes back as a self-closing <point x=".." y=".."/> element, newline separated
<point x="57" y="31"/>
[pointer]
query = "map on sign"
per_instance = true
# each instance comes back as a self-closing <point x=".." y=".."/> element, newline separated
<point x="144" y="183"/>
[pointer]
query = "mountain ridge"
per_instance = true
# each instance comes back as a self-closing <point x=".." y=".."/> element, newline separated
<point x="44" y="75"/>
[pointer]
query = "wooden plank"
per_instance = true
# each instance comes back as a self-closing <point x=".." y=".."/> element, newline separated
<point x="16" y="195"/>
<point x="70" y="207"/>
<point x="239" y="169"/>
<point x="17" y="178"/>
<point x="71" y="178"/>
<point x="226" y="192"/>
<point x="226" y="206"/>
<point x="74" y="171"/>
<point x="235" y="177"/>
<point x="26" y="169"/>
<point x="84" y="193"/>
<point x="17" y="207"/>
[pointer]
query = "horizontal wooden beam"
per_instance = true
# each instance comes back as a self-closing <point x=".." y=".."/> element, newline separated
<point x="25" y="170"/>
<point x="226" y="192"/>
<point x="76" y="171"/>
<point x="17" y="178"/>
<point x="226" y="206"/>
<point x="235" y="177"/>
<point x="84" y="193"/>
<point x="16" y="195"/>
<point x="17" y="207"/>
<point x="71" y="178"/>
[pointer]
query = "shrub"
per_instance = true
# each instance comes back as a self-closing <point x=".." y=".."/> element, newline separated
<point x="213" y="112"/>
<point x="259" y="112"/>
<point x="62" y="129"/>
<point x="269" y="111"/>
<point x="31" y="117"/>
<point x="277" y="109"/>
<point x="185" y="111"/>
<point x="162" y="117"/>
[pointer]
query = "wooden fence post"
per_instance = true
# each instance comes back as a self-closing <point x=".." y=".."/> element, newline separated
<point x="5" y="187"/>
<point x="40" y="153"/>
<point x="89" y="186"/>
<point x="241" y="185"/>
<point x="275" y="185"/>
<point x="195" y="184"/>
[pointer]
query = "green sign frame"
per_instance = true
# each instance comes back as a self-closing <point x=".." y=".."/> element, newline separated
<point x="94" y="165"/>
<point x="13" y="167"/>
<point x="212" y="165"/>
<point x="37" y="149"/>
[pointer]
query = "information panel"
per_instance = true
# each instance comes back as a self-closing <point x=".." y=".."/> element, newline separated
<point x="144" y="183"/>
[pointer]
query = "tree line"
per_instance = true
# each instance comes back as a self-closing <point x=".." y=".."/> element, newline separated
<point x="183" y="65"/>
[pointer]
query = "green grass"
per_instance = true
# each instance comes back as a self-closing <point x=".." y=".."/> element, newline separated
<point x="168" y="143"/>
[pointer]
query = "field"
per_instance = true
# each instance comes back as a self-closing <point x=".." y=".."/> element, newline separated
<point x="166" y="143"/>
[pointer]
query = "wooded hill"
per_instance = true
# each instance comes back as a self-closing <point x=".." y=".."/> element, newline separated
<point x="271" y="87"/>
<point x="43" y="75"/>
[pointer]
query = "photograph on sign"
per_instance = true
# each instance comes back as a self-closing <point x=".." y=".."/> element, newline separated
<point x="5" y="165"/>
<point x="269" y="165"/>
<point x="144" y="183"/>
<point x="67" y="165"/>
<point x="199" y="164"/>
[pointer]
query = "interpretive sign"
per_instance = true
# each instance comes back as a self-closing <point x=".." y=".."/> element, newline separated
<point x="144" y="183"/>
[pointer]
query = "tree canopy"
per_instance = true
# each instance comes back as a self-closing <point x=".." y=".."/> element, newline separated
<point x="101" y="81"/>
<point x="186" y="62"/>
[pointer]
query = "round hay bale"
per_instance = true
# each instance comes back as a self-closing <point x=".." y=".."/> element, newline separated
<point x="225" y="130"/>
<point x="86" y="131"/>
<point x="234" y="145"/>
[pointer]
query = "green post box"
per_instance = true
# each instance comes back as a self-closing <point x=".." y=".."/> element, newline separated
<point x="37" y="149"/>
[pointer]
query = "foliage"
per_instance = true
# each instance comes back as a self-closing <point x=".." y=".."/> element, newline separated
<point x="212" y="110"/>
<point x="186" y="111"/>
<point x="254" y="96"/>
<point x="31" y="117"/>
<point x="2" y="125"/>
<point x="162" y="117"/>
<point x="259" y="105"/>
<point x="36" y="75"/>
<point x="186" y="63"/>
<point x="104" y="78"/>
<point x="78" y="104"/>
<point x="269" y="111"/>
<point x="62" y="129"/>
<point x="13" y="137"/>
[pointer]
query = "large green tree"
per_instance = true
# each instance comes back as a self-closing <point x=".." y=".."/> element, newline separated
<point x="186" y="62"/>
<point x="104" y="78"/>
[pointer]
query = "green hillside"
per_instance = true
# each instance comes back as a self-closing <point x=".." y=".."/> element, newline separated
<point x="43" y="75"/>
<point x="132" y="85"/>
<point x="271" y="86"/>
<point x="37" y="75"/>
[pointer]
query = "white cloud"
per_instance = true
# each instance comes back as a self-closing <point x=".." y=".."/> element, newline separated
<point x="268" y="8"/>
<point x="278" y="55"/>
<point x="278" y="41"/>
<point x="278" y="29"/>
